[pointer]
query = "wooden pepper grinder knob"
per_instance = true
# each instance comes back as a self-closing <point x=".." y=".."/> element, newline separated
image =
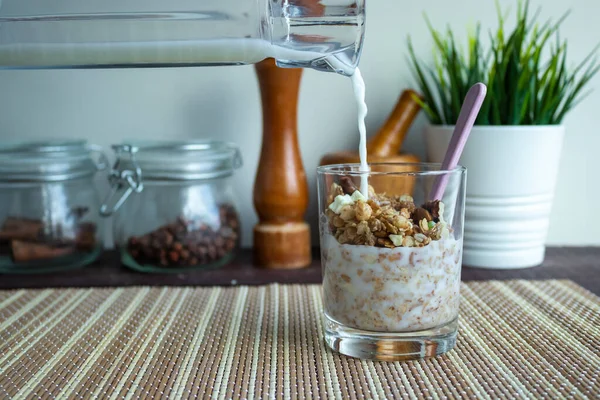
<point x="282" y="237"/>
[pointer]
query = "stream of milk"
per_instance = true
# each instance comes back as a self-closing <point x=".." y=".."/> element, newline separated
<point x="359" y="94"/>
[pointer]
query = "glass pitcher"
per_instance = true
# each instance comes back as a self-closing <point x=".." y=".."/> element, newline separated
<point x="321" y="34"/>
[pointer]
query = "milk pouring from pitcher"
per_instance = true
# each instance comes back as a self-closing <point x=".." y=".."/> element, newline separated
<point x="320" y="34"/>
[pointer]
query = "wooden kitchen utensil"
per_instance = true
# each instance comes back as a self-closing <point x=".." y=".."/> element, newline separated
<point x="385" y="147"/>
<point x="281" y="237"/>
<point x="386" y="144"/>
<point x="388" y="140"/>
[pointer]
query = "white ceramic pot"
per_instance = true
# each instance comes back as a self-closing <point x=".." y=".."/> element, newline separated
<point x="511" y="176"/>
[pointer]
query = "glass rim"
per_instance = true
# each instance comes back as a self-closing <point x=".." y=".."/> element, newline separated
<point x="337" y="169"/>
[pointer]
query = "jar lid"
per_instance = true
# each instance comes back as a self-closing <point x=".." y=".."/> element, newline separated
<point x="49" y="161"/>
<point x="173" y="161"/>
<point x="180" y="160"/>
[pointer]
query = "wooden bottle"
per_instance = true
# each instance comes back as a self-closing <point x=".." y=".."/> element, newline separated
<point x="281" y="237"/>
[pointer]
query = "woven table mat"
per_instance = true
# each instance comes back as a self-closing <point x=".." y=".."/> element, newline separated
<point x="525" y="339"/>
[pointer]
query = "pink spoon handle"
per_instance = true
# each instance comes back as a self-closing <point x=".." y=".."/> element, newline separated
<point x="464" y="124"/>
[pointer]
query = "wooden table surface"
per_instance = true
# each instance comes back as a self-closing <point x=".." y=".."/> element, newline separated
<point x="579" y="264"/>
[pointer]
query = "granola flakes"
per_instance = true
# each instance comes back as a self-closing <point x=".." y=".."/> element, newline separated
<point x="395" y="221"/>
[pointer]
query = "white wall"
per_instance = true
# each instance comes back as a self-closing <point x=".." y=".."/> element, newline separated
<point x="107" y="106"/>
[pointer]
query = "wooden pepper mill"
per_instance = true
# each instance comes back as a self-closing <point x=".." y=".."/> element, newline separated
<point x="281" y="237"/>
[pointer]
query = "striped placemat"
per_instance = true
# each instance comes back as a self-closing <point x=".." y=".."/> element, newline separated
<point x="517" y="339"/>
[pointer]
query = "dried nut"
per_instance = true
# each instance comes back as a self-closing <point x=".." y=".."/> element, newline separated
<point x="436" y="232"/>
<point x="406" y="197"/>
<point x="420" y="238"/>
<point x="363" y="211"/>
<point x="347" y="184"/>
<point x="421" y="213"/>
<point x="347" y="213"/>
<point x="408" y="241"/>
<point x="396" y="239"/>
<point x="402" y="223"/>
<point x="405" y="213"/>
<point x="433" y="207"/>
<point x="338" y="222"/>
<point x="388" y="243"/>
<point x="385" y="242"/>
<point x="424" y="225"/>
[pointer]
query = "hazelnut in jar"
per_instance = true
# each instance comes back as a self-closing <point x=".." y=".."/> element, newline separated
<point x="173" y="204"/>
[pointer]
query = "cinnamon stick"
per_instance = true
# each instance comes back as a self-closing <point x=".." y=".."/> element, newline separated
<point x="22" y="251"/>
<point x="25" y="241"/>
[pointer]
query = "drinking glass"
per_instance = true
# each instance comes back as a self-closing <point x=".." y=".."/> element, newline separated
<point x="391" y="262"/>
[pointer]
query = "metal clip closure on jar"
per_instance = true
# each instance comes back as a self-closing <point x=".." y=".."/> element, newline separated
<point x="124" y="179"/>
<point x="196" y="160"/>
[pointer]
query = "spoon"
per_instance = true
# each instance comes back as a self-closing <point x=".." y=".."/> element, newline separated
<point x="466" y="119"/>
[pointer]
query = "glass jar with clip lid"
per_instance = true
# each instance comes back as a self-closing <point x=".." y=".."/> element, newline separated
<point x="174" y="205"/>
<point x="49" y="203"/>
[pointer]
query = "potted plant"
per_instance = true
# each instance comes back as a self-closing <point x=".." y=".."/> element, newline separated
<point x="514" y="150"/>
